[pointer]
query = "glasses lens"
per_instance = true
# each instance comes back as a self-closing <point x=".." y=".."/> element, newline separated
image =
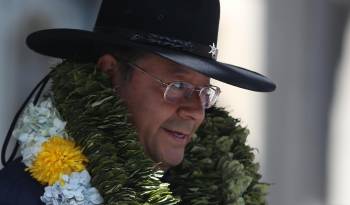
<point x="176" y="91"/>
<point x="208" y="96"/>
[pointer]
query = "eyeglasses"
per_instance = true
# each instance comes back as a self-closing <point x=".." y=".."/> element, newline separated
<point x="176" y="91"/>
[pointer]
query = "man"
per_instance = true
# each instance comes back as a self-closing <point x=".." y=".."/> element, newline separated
<point x="159" y="57"/>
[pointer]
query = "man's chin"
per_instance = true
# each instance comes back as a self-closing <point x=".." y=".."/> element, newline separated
<point x="171" y="160"/>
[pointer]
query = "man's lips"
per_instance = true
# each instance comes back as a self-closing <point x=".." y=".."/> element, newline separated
<point x="177" y="135"/>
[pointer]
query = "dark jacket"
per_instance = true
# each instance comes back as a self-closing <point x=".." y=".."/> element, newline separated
<point x="17" y="187"/>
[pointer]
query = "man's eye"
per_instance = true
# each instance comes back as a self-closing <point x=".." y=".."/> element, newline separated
<point x="180" y="85"/>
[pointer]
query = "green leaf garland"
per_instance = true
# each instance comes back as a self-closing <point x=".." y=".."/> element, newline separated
<point x="218" y="167"/>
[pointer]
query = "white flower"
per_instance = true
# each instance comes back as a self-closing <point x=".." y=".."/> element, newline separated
<point x="30" y="146"/>
<point x="36" y="125"/>
<point x="58" y="127"/>
<point x="75" y="191"/>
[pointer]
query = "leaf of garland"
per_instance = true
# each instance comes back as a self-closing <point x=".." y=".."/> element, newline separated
<point x="219" y="167"/>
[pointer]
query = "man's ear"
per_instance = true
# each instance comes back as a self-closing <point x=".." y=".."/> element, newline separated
<point x="108" y="64"/>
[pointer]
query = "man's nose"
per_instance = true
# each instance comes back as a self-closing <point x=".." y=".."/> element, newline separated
<point x="192" y="108"/>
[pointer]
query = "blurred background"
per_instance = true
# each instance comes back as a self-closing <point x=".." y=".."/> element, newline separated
<point x="300" y="130"/>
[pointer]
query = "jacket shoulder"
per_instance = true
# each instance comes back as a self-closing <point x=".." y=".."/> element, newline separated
<point x="18" y="187"/>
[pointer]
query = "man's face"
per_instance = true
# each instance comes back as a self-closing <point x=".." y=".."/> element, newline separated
<point x="164" y="128"/>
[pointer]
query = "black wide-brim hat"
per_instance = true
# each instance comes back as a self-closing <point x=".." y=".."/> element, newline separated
<point x="183" y="31"/>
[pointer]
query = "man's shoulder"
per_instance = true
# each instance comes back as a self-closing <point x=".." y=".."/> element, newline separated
<point x="18" y="187"/>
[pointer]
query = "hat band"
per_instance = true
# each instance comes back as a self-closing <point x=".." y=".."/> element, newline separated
<point x="154" y="39"/>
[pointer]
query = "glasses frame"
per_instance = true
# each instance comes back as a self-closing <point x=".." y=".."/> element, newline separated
<point x="168" y="85"/>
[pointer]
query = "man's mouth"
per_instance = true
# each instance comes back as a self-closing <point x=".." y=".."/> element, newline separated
<point x="179" y="136"/>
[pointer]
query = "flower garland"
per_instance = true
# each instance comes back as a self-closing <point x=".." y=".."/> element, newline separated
<point x="218" y="167"/>
<point x="52" y="158"/>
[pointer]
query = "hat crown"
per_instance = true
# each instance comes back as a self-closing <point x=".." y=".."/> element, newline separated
<point x="194" y="20"/>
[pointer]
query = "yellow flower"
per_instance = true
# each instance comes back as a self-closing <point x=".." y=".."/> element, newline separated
<point x="58" y="156"/>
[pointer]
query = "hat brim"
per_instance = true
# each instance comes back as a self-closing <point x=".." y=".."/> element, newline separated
<point x="84" y="45"/>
